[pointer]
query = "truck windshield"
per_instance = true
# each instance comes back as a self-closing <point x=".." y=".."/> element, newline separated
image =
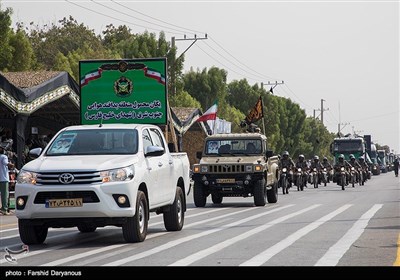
<point x="94" y="142"/>
<point x="343" y="146"/>
<point x="233" y="147"/>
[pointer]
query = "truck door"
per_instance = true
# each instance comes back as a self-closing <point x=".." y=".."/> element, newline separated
<point x="165" y="167"/>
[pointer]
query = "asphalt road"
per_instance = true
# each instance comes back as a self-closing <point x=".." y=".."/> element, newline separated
<point x="317" y="227"/>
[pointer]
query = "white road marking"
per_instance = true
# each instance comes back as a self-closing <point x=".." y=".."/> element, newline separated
<point x="10" y="229"/>
<point x="211" y="250"/>
<point x="191" y="237"/>
<point x="283" y="244"/>
<point x="336" y="252"/>
<point x="82" y="255"/>
<point x="186" y="226"/>
<point x="194" y="215"/>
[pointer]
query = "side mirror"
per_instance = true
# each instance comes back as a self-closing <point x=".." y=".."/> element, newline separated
<point x="35" y="153"/>
<point x="154" y="151"/>
<point x="199" y="155"/>
<point x="269" y="153"/>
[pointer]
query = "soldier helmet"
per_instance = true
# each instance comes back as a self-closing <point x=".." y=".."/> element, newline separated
<point x="341" y="156"/>
<point x="351" y="156"/>
<point x="301" y="156"/>
<point x="316" y="157"/>
<point x="325" y="159"/>
<point x="285" y="153"/>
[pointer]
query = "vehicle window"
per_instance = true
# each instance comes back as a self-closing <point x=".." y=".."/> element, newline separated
<point x="157" y="138"/>
<point x="146" y="139"/>
<point x="94" y="142"/>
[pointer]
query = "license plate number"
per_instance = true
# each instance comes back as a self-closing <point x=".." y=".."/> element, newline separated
<point x="66" y="202"/>
<point x="226" y="181"/>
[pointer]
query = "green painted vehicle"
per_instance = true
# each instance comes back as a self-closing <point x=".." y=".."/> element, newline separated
<point x="348" y="146"/>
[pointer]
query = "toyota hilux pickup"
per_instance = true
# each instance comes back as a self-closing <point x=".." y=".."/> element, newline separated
<point x="93" y="176"/>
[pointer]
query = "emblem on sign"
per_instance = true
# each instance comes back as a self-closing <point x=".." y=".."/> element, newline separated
<point x="123" y="86"/>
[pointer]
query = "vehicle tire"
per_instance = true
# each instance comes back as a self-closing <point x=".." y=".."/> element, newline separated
<point x="84" y="228"/>
<point x="284" y="185"/>
<point x="30" y="234"/>
<point x="260" y="194"/>
<point x="135" y="228"/>
<point x="174" y="218"/>
<point x="216" y="198"/>
<point x="199" y="197"/>
<point x="272" y="194"/>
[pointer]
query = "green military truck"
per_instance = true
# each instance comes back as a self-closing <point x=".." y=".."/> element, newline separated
<point x="236" y="165"/>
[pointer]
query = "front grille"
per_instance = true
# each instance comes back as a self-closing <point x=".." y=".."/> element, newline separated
<point x="226" y="168"/>
<point x="87" y="196"/>
<point x="85" y="177"/>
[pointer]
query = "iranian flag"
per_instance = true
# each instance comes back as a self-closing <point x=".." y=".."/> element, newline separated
<point x="210" y="114"/>
<point x="151" y="73"/>
<point x="91" y="76"/>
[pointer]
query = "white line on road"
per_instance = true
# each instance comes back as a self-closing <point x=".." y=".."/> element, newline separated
<point x="157" y="234"/>
<point x="10" y="229"/>
<point x="82" y="255"/>
<point x="53" y="248"/>
<point x="283" y="244"/>
<point x="336" y="252"/>
<point x="211" y="250"/>
<point x="191" y="237"/>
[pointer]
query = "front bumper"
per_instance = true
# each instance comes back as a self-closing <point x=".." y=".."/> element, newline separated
<point x="104" y="206"/>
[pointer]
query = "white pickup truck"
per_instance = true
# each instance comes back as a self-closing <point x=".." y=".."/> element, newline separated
<point x="99" y="175"/>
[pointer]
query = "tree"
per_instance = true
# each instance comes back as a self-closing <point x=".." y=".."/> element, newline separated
<point x="183" y="99"/>
<point x="22" y="52"/>
<point x="5" y="34"/>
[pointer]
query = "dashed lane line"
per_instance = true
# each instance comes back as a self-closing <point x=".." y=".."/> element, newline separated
<point x="191" y="237"/>
<point x="283" y="244"/>
<point x="211" y="250"/>
<point x="336" y="252"/>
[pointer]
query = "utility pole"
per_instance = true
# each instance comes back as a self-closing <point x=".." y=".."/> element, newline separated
<point x="173" y="65"/>
<point x="322" y="110"/>
<point x="271" y="90"/>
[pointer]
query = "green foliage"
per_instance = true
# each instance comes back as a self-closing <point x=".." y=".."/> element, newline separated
<point x="183" y="99"/>
<point x="6" y="50"/>
<point x="22" y="52"/>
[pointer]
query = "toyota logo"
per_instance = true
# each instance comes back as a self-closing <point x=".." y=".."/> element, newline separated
<point x="66" y="178"/>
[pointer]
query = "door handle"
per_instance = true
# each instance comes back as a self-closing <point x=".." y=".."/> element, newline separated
<point x="170" y="161"/>
<point x="160" y="164"/>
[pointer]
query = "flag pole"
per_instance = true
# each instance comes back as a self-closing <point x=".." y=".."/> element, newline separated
<point x="263" y="125"/>
<point x="215" y="121"/>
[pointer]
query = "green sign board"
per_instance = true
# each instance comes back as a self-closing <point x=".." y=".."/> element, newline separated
<point x="123" y="91"/>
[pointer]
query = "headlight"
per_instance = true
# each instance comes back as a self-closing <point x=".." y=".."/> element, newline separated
<point x="352" y="169"/>
<point x="258" y="167"/>
<point x="196" y="168"/>
<point x="284" y="170"/>
<point x="26" y="177"/>
<point x="299" y="170"/>
<point x="342" y="168"/>
<point x="204" y="169"/>
<point x="116" y="175"/>
<point x="325" y="169"/>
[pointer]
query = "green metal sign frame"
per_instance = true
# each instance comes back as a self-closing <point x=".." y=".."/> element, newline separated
<point x="123" y="91"/>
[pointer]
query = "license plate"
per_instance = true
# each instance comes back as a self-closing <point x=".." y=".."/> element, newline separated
<point x="66" y="202"/>
<point x="226" y="181"/>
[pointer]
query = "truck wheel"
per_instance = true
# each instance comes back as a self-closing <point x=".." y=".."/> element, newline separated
<point x="260" y="194"/>
<point x="84" y="228"/>
<point x="30" y="234"/>
<point x="174" y="218"/>
<point x="272" y="194"/>
<point x="135" y="228"/>
<point x="199" y="197"/>
<point x="216" y="198"/>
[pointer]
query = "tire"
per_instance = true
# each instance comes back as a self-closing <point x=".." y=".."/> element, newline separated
<point x="260" y="195"/>
<point x="199" y="197"/>
<point x="135" y="228"/>
<point x="175" y="217"/>
<point x="272" y="194"/>
<point x="30" y="234"/>
<point x="85" y="228"/>
<point x="216" y="198"/>
<point x="283" y="185"/>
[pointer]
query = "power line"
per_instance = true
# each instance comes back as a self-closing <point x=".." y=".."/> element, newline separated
<point x="128" y="22"/>
<point x="263" y="76"/>
<point x="377" y="116"/>
<point x="184" y="28"/>
<point x="219" y="61"/>
<point x="305" y="105"/>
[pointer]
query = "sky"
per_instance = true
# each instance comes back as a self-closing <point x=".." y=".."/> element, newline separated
<point x="343" y="52"/>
